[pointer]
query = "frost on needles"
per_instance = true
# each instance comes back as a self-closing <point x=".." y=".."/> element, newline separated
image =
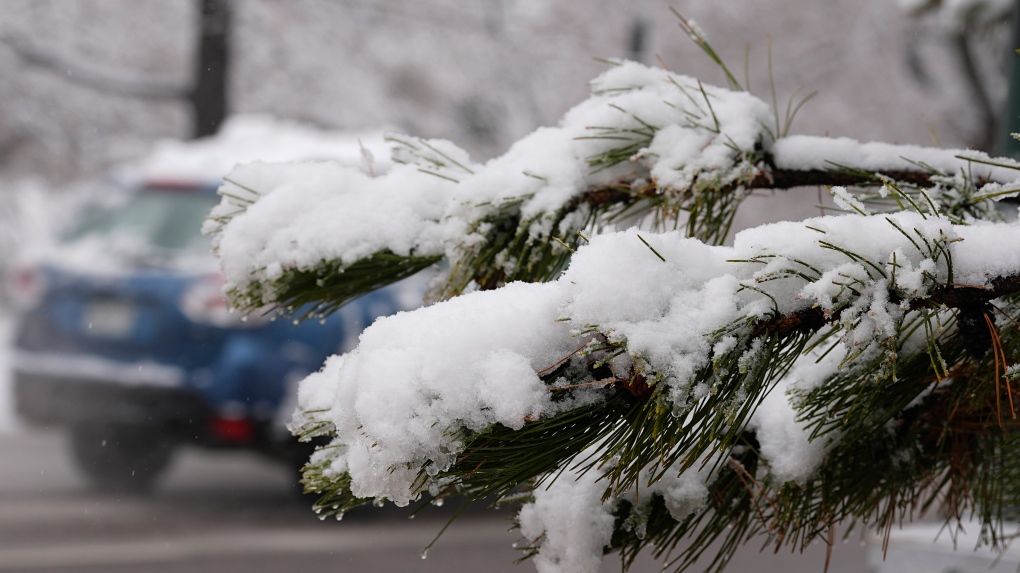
<point x="650" y="388"/>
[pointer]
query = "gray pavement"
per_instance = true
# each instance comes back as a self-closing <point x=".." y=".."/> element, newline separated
<point x="227" y="511"/>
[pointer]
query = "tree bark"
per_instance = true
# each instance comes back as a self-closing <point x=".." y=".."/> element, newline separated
<point x="209" y="95"/>
<point x="623" y="190"/>
<point x="952" y="296"/>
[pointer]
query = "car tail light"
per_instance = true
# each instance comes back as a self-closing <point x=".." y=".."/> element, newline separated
<point x="232" y="430"/>
<point x="28" y="285"/>
<point x="203" y="303"/>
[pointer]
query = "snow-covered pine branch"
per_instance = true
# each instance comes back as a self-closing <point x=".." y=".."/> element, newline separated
<point x="646" y="387"/>
<point x="647" y="139"/>
<point x="425" y="402"/>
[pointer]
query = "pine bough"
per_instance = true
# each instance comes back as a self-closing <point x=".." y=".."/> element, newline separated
<point x="652" y="389"/>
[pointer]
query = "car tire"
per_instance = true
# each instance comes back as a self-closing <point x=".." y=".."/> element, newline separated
<point x="294" y="455"/>
<point x="122" y="459"/>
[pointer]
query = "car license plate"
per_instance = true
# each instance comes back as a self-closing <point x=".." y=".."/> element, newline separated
<point x="109" y="318"/>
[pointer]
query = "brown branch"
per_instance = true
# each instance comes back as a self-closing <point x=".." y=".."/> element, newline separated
<point x="958" y="295"/>
<point x="953" y="296"/>
<point x="788" y="178"/>
<point x="623" y="190"/>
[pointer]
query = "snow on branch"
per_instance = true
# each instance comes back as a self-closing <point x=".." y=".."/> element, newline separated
<point x="481" y="361"/>
<point x="410" y="406"/>
<point x="487" y="219"/>
<point x="646" y="137"/>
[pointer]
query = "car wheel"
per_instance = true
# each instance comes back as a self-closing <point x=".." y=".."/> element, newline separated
<point x="294" y="455"/>
<point x="120" y="458"/>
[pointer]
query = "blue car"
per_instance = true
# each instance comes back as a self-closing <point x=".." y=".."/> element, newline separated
<point x="126" y="343"/>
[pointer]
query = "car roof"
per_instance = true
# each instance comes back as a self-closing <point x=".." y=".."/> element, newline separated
<point x="180" y="185"/>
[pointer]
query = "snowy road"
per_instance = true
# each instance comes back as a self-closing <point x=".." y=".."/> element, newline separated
<point x="221" y="512"/>
<point x="7" y="423"/>
<point x="234" y="512"/>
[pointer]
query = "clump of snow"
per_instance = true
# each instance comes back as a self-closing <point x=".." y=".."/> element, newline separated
<point x="703" y="134"/>
<point x="1012" y="372"/>
<point x="397" y="405"/>
<point x="572" y="523"/>
<point x="783" y="439"/>
<point x="279" y="231"/>
<point x="805" y="152"/>
<point x="685" y="493"/>
<point x="981" y="256"/>
<point x="1000" y="191"/>
<point x="660" y="309"/>
<point x="846" y="200"/>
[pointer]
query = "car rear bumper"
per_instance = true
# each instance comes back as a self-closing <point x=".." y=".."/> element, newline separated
<point x="90" y="368"/>
<point x="176" y="413"/>
<point x="66" y="389"/>
<point x="71" y="390"/>
<point x="53" y="400"/>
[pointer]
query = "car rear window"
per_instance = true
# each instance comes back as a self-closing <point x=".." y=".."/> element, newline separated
<point x="156" y="220"/>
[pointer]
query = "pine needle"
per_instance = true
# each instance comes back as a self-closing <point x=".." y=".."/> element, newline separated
<point x="651" y="248"/>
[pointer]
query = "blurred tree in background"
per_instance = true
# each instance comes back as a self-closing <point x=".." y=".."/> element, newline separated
<point x="484" y="74"/>
<point x="206" y="93"/>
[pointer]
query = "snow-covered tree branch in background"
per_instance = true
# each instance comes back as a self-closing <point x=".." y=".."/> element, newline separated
<point x="654" y="388"/>
<point x="964" y="26"/>
<point x="206" y="93"/>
